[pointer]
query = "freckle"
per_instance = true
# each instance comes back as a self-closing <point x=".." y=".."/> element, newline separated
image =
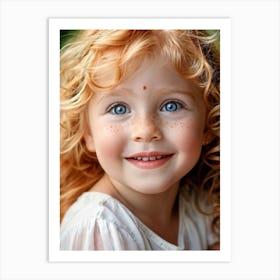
<point x="112" y="129"/>
<point x="176" y="125"/>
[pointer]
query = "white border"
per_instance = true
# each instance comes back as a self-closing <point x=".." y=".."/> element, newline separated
<point x="24" y="139"/>
<point x="222" y="24"/>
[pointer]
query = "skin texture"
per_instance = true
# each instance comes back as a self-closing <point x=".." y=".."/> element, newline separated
<point x="156" y="112"/>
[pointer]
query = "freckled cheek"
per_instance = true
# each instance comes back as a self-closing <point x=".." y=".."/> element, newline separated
<point x="186" y="134"/>
<point x="109" y="140"/>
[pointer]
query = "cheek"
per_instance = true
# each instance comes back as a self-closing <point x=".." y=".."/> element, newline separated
<point x="187" y="135"/>
<point x="109" y="141"/>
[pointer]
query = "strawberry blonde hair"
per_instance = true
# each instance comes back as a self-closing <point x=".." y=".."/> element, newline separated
<point x="193" y="53"/>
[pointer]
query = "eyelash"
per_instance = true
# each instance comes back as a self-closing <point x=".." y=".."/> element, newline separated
<point x="116" y="105"/>
<point x="112" y="108"/>
<point x="179" y="105"/>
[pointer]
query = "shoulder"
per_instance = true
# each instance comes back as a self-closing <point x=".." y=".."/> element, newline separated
<point x="97" y="221"/>
<point x="197" y="223"/>
<point x="90" y="205"/>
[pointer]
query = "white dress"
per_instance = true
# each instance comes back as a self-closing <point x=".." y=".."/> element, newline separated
<point x="97" y="221"/>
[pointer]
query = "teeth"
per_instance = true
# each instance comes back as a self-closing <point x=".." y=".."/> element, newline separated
<point x="149" y="158"/>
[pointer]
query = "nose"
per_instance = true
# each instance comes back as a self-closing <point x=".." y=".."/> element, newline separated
<point x="146" y="129"/>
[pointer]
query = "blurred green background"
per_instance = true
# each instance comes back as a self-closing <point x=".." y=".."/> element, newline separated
<point x="66" y="35"/>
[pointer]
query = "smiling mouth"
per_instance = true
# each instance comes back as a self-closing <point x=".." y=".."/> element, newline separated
<point x="149" y="160"/>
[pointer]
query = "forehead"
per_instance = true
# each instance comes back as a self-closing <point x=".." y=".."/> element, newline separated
<point x="153" y="71"/>
<point x="140" y="71"/>
<point x="154" y="77"/>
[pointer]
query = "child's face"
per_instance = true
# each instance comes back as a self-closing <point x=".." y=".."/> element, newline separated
<point x="148" y="131"/>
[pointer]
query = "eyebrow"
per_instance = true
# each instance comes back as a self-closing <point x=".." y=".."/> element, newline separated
<point x="113" y="93"/>
<point x="178" y="90"/>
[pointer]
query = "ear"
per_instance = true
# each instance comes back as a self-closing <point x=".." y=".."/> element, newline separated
<point x="207" y="138"/>
<point x="89" y="142"/>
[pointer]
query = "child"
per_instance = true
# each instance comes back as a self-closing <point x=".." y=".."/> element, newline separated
<point x="140" y="141"/>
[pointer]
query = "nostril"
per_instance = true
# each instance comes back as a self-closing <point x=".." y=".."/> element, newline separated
<point x="147" y="136"/>
<point x="137" y="139"/>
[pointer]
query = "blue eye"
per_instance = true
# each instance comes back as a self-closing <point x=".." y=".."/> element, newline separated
<point x="171" y="106"/>
<point x="119" y="109"/>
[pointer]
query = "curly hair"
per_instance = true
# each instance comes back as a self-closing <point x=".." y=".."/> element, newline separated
<point x="193" y="53"/>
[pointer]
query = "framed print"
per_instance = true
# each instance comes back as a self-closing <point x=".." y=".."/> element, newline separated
<point x="171" y="67"/>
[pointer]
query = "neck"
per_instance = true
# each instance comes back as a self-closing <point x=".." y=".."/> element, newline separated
<point x="157" y="211"/>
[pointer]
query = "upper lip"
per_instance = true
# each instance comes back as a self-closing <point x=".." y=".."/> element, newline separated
<point x="149" y="154"/>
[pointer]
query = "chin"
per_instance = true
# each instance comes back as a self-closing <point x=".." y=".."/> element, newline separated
<point x="151" y="190"/>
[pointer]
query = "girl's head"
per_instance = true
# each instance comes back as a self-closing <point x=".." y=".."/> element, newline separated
<point x="140" y="86"/>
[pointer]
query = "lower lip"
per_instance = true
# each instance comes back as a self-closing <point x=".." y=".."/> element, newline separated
<point x="149" y="164"/>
